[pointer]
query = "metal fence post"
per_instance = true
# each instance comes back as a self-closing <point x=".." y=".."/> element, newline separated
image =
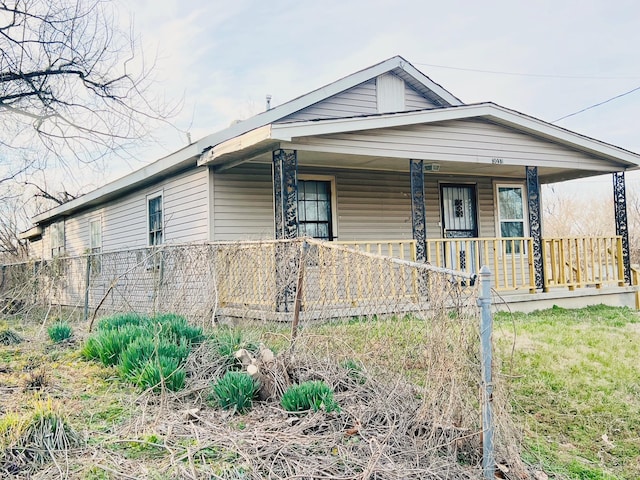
<point x="87" y="279"/>
<point x="486" y="358"/>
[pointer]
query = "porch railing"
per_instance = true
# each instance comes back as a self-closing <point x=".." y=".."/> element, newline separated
<point x="403" y="249"/>
<point x="508" y="258"/>
<point x="569" y="262"/>
<point x="583" y="261"/>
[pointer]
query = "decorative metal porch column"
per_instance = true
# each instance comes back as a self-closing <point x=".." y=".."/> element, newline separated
<point x="285" y="194"/>
<point x="418" y="212"/>
<point x="535" y="224"/>
<point x="622" y="227"/>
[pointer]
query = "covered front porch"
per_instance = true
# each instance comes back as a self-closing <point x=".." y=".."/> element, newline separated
<point x="468" y="179"/>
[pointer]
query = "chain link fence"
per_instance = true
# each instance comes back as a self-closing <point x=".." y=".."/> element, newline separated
<point x="413" y="325"/>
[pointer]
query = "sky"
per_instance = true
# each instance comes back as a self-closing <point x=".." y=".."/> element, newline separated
<point x="554" y="58"/>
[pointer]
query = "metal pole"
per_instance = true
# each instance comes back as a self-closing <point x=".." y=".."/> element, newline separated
<point x="87" y="279"/>
<point x="486" y="331"/>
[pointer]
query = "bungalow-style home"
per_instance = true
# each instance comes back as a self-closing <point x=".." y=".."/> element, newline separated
<point x="386" y="160"/>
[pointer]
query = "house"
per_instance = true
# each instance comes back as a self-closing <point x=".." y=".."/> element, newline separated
<point x="382" y="157"/>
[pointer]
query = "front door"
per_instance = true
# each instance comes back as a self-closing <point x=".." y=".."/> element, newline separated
<point x="459" y="221"/>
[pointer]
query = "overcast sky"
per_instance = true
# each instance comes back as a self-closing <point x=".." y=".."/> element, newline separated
<point x="557" y="57"/>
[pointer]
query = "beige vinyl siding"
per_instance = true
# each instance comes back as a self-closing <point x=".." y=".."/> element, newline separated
<point x="124" y="221"/>
<point x="359" y="100"/>
<point x="373" y="205"/>
<point x="476" y="141"/>
<point x="243" y="203"/>
<point x="370" y="205"/>
<point x="415" y="101"/>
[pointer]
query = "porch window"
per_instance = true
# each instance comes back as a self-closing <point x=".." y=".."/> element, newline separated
<point x="315" y="215"/>
<point x="155" y="220"/>
<point x="57" y="238"/>
<point x="511" y="215"/>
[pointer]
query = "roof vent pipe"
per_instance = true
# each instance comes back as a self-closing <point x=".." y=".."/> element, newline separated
<point x="268" y="102"/>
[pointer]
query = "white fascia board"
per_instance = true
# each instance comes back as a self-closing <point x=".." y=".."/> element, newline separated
<point x="31" y="233"/>
<point x="175" y="161"/>
<point x="236" y="144"/>
<point x="286" y="132"/>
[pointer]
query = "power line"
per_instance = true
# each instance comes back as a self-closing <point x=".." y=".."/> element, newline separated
<point x="539" y="75"/>
<point x="596" y="104"/>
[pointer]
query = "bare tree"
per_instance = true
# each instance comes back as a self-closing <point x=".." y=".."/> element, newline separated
<point x="73" y="85"/>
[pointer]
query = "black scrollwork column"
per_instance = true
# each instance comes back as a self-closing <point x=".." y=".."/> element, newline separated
<point x="535" y="224"/>
<point x="418" y="213"/>
<point x="622" y="227"/>
<point x="285" y="195"/>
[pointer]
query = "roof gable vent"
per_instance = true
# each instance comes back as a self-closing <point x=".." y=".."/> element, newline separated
<point x="390" y="93"/>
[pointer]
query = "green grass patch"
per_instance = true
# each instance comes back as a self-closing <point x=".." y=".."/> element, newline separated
<point x="150" y="352"/>
<point x="235" y="390"/>
<point x="313" y="395"/>
<point x="577" y="386"/>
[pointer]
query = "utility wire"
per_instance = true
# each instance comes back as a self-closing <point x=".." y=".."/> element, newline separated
<point x="596" y="104"/>
<point x="540" y="75"/>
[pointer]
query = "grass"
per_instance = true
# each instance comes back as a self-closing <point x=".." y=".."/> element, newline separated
<point x="576" y="388"/>
<point x="574" y="380"/>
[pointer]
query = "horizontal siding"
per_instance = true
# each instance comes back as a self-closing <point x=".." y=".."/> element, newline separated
<point x="457" y="141"/>
<point x="124" y="221"/>
<point x="415" y="101"/>
<point x="359" y="100"/>
<point x="243" y="200"/>
<point x="369" y="205"/>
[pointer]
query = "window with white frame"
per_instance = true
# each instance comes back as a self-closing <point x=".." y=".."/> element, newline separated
<point x="315" y="207"/>
<point x="155" y="219"/>
<point x="57" y="238"/>
<point x="95" y="235"/>
<point x="511" y="214"/>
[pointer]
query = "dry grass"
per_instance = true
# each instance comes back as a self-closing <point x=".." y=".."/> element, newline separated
<point x="407" y="390"/>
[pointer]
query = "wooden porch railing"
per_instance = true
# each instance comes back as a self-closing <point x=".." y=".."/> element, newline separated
<point x="582" y="261"/>
<point x="508" y="258"/>
<point x="569" y="262"/>
<point x="403" y="249"/>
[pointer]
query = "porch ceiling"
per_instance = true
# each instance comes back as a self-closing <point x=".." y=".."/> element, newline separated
<point x="332" y="161"/>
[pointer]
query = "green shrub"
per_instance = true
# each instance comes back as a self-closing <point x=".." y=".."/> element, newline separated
<point x="121" y="320"/>
<point x="235" y="390"/>
<point x="111" y="343"/>
<point x="9" y="337"/>
<point x="149" y="352"/>
<point x="91" y="349"/>
<point x="59" y="331"/>
<point x="312" y="395"/>
<point x="176" y="328"/>
<point x="158" y="372"/>
<point x="145" y="348"/>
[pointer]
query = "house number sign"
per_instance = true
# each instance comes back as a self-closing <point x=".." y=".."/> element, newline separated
<point x="497" y="161"/>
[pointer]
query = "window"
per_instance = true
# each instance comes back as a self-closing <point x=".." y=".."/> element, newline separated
<point x="95" y="236"/>
<point x="511" y="214"/>
<point x="57" y="238"/>
<point x="315" y="215"/>
<point x="155" y="219"/>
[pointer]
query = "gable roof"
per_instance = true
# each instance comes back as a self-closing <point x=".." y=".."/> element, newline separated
<point x="191" y="155"/>
<point x="268" y="137"/>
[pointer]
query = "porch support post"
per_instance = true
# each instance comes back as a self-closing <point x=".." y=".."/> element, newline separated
<point x="622" y="227"/>
<point x="285" y="196"/>
<point x="285" y="193"/>
<point x="535" y="224"/>
<point x="418" y="213"/>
